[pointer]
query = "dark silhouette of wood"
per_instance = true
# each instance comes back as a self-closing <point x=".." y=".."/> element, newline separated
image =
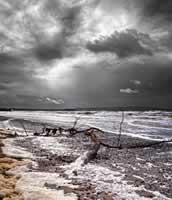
<point x="120" y="131"/>
<point x="93" y="134"/>
<point x="54" y="131"/>
<point x="22" y="124"/>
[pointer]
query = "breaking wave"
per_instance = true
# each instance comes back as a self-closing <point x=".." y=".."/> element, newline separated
<point x="152" y="124"/>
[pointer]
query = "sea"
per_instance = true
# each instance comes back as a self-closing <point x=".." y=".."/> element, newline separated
<point x="154" y="125"/>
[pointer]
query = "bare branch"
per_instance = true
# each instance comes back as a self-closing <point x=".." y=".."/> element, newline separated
<point x="120" y="130"/>
<point x="76" y="121"/>
<point x="24" y="128"/>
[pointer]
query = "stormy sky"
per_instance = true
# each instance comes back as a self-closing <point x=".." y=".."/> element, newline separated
<point x="85" y="53"/>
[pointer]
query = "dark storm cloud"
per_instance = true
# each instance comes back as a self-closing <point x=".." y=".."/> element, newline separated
<point x="158" y="8"/>
<point x="12" y="70"/>
<point x="16" y="73"/>
<point x="47" y="48"/>
<point x="124" y="44"/>
<point x="6" y="59"/>
<point x="157" y="14"/>
<point x="34" y="42"/>
<point x="18" y="85"/>
<point x="150" y="84"/>
<point x="46" y="52"/>
<point x="34" y="33"/>
<point x="71" y="20"/>
<point x="57" y="46"/>
<point x="12" y="65"/>
<point x="155" y="78"/>
<point x="166" y="41"/>
<point x="2" y="87"/>
<point x="45" y="27"/>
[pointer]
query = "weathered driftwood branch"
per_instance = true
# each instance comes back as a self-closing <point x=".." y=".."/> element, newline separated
<point x="7" y="134"/>
<point x="92" y="154"/>
<point x="95" y="139"/>
<point x="150" y="144"/>
<point x="90" y="132"/>
<point x="97" y="142"/>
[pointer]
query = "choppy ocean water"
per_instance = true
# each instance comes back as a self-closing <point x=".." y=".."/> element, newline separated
<point x="150" y="124"/>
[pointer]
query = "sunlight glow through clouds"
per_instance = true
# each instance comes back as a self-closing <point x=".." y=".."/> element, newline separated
<point x="109" y="24"/>
<point x="104" y="24"/>
<point x="60" y="71"/>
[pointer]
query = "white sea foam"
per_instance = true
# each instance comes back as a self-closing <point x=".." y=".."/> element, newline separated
<point x="32" y="185"/>
<point x="107" y="180"/>
<point x="154" y="125"/>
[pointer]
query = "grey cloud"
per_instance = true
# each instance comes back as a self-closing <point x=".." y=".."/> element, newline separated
<point x="158" y="8"/>
<point x="124" y="44"/>
<point x="17" y="75"/>
<point x="155" y="14"/>
<point x="7" y="58"/>
<point x="154" y="76"/>
<point x="25" y="29"/>
<point x="166" y="41"/>
<point x="136" y="82"/>
<point x="26" y="101"/>
<point x="155" y="84"/>
<point x="3" y="87"/>
<point x="11" y="65"/>
<point x="129" y="91"/>
<point x="71" y="20"/>
<point x="83" y="82"/>
<point x="58" y="46"/>
<point x="46" y="52"/>
<point x="54" y="101"/>
<point x="96" y="84"/>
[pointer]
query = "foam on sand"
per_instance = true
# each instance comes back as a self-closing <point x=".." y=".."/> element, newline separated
<point x="32" y="185"/>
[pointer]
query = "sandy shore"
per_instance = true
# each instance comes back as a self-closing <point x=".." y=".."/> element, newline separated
<point x="7" y="181"/>
<point x="55" y="170"/>
<point x="19" y="182"/>
<point x="147" y="171"/>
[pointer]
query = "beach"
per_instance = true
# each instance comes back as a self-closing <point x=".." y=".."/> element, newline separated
<point x="54" y="164"/>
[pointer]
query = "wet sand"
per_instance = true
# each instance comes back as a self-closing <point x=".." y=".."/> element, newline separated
<point x="7" y="181"/>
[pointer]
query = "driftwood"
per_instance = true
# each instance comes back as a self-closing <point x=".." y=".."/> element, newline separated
<point x="7" y="134"/>
<point x="92" y="154"/>
<point x="93" y="134"/>
<point x="24" y="128"/>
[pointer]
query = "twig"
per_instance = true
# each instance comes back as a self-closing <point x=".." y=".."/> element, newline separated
<point x="76" y="121"/>
<point x="136" y="146"/>
<point x="120" y="130"/>
<point x="24" y="128"/>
